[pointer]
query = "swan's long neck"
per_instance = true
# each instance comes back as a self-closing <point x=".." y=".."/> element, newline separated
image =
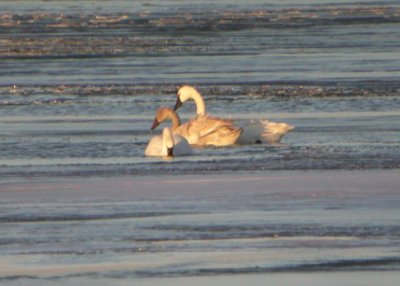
<point x="176" y="122"/>
<point x="200" y="106"/>
<point x="168" y="142"/>
<point x="167" y="113"/>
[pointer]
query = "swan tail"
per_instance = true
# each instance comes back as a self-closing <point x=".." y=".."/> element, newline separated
<point x="273" y="132"/>
<point x="263" y="131"/>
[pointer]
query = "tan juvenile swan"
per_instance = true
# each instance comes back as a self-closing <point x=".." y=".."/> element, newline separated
<point x="262" y="131"/>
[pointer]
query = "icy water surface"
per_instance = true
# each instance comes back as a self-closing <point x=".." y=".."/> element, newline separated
<point x="117" y="230"/>
<point x="80" y="82"/>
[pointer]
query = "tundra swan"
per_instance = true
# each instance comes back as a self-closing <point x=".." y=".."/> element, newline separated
<point x="261" y="131"/>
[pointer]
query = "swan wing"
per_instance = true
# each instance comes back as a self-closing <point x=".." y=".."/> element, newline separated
<point x="206" y="130"/>
<point x="191" y="135"/>
<point x="221" y="136"/>
<point x="206" y="124"/>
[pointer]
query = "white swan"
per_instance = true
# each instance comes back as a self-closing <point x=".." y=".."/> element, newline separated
<point x="167" y="145"/>
<point x="203" y="130"/>
<point x="262" y="131"/>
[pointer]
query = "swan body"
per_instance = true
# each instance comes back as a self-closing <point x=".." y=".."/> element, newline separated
<point x="202" y="130"/>
<point x="168" y="144"/>
<point x="222" y="132"/>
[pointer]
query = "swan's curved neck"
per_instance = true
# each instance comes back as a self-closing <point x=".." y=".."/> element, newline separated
<point x="167" y="143"/>
<point x="200" y="106"/>
<point x="168" y="114"/>
<point x="176" y="122"/>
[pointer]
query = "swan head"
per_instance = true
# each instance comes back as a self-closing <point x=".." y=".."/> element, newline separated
<point x="160" y="117"/>
<point x="178" y="102"/>
<point x="155" y="124"/>
<point x="187" y="92"/>
<point x="163" y="114"/>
